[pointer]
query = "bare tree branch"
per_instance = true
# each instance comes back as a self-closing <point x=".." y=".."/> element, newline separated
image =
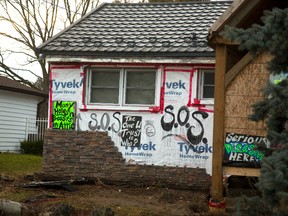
<point x="8" y="51"/>
<point x="11" y="74"/>
<point x="34" y="22"/>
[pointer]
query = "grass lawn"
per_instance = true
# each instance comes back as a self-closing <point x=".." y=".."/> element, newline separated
<point x="19" y="163"/>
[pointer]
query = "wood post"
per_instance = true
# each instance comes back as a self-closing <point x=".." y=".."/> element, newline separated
<point x="219" y="120"/>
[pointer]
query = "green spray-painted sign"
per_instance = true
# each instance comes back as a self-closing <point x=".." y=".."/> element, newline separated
<point x="64" y="115"/>
<point x="277" y="78"/>
<point x="241" y="147"/>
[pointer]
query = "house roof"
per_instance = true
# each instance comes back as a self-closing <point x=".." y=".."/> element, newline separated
<point x="14" y="86"/>
<point x="149" y="29"/>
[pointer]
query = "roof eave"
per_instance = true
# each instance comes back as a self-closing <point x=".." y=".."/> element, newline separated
<point x="24" y="91"/>
<point x="130" y="54"/>
<point x="232" y="16"/>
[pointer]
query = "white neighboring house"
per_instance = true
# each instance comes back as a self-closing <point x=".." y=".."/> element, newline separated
<point x="17" y="103"/>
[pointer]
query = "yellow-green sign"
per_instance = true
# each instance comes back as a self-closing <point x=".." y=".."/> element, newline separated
<point x="64" y="115"/>
<point x="277" y="78"/>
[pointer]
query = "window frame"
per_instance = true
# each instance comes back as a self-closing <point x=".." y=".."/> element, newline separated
<point x="201" y="84"/>
<point x="90" y="86"/>
<point x="121" y="105"/>
<point x="125" y="87"/>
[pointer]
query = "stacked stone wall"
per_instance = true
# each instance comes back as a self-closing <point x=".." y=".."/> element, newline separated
<point x="92" y="155"/>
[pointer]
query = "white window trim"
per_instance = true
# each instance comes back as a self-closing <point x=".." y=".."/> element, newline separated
<point x="121" y="106"/>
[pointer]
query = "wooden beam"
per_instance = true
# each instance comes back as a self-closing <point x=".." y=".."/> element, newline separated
<point x="241" y="171"/>
<point x="217" y="39"/>
<point x="219" y="117"/>
<point x="234" y="14"/>
<point x="235" y="70"/>
<point x="224" y="18"/>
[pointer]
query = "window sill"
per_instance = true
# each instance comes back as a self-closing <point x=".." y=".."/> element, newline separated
<point x="151" y="109"/>
<point x="207" y="101"/>
<point x="203" y="104"/>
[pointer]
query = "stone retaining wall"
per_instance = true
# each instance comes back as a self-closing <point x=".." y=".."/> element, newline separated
<point x="86" y="154"/>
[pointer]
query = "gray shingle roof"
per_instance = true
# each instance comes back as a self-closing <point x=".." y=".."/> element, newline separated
<point x="12" y="85"/>
<point x="169" y="29"/>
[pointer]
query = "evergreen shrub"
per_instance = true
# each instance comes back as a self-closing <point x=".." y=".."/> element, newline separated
<point x="32" y="147"/>
<point x="270" y="37"/>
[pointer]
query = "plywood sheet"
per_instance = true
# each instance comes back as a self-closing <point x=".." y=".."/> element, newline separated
<point x="241" y="171"/>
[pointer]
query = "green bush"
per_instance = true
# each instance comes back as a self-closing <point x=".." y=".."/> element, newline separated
<point x="32" y="147"/>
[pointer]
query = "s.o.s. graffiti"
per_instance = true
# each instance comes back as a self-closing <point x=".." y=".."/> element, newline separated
<point x="102" y="122"/>
<point x="183" y="118"/>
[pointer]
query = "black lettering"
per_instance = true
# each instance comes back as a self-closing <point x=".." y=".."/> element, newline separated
<point x="196" y="139"/>
<point x="93" y="116"/>
<point x="183" y="109"/>
<point x="119" y="123"/>
<point x="105" y="116"/>
<point x="167" y="126"/>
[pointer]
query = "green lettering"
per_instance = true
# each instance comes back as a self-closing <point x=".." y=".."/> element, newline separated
<point x="245" y="148"/>
<point x="228" y="147"/>
<point x="251" y="150"/>
<point x="238" y="148"/>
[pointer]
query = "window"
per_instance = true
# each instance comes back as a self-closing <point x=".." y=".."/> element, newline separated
<point x="122" y="87"/>
<point x="206" y="86"/>
<point x="140" y="87"/>
<point x="105" y="86"/>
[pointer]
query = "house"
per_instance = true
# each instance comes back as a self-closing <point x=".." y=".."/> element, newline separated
<point x="17" y="104"/>
<point x="144" y="74"/>
<point x="239" y="78"/>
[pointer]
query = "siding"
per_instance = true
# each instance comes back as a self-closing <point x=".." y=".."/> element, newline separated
<point x="15" y="108"/>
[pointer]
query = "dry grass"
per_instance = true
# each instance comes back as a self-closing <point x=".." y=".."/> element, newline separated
<point x="123" y="200"/>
